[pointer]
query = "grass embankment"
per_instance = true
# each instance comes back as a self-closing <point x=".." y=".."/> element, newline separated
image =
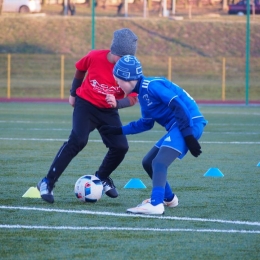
<point x="197" y="48"/>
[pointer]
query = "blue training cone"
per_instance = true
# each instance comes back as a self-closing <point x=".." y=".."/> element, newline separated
<point x="135" y="184"/>
<point x="214" y="172"/>
<point x="258" y="164"/>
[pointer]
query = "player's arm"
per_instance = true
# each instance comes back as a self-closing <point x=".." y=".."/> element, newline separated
<point x="135" y="127"/>
<point x="184" y="122"/>
<point x="128" y="101"/>
<point x="121" y="103"/>
<point x="139" y="126"/>
<point x="181" y="115"/>
<point x="77" y="81"/>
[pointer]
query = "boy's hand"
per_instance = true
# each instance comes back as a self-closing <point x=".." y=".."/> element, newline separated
<point x="110" y="130"/>
<point x="72" y="101"/>
<point x="193" y="145"/>
<point x="111" y="100"/>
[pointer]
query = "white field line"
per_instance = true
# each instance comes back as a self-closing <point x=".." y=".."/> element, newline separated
<point x="34" y="122"/>
<point x="102" y="213"/>
<point x="131" y="229"/>
<point x="99" y="141"/>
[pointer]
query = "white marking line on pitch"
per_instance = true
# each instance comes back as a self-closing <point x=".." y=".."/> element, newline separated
<point x="99" y="141"/>
<point x="133" y="216"/>
<point x="131" y="229"/>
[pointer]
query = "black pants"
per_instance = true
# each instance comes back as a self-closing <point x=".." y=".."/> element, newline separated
<point x="87" y="118"/>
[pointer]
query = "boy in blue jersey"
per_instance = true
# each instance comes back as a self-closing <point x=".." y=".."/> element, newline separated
<point x="173" y="108"/>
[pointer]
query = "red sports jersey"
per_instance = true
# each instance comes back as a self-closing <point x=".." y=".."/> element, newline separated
<point x="99" y="80"/>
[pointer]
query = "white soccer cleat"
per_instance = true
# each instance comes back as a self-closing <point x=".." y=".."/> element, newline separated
<point x="170" y="204"/>
<point x="147" y="209"/>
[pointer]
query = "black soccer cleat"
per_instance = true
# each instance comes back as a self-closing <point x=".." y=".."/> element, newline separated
<point x="108" y="187"/>
<point x="46" y="190"/>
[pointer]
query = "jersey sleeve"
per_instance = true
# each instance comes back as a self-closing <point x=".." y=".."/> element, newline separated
<point x="182" y="116"/>
<point x="133" y="94"/>
<point x="172" y="95"/>
<point x="126" y="102"/>
<point x="139" y="126"/>
<point x="84" y="63"/>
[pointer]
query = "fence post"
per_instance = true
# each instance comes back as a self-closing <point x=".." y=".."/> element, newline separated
<point x="170" y="68"/>
<point x="8" y="76"/>
<point x="190" y="7"/>
<point x="223" y="79"/>
<point x="62" y="78"/>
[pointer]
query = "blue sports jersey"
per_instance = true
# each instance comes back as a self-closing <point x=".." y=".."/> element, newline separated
<point x="167" y="104"/>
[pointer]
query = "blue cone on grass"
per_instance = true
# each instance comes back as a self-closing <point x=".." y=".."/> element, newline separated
<point x="214" y="172"/>
<point x="135" y="184"/>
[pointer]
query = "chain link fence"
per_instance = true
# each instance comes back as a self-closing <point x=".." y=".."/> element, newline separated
<point x="50" y="76"/>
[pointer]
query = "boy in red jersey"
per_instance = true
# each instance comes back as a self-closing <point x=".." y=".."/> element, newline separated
<point x="96" y="98"/>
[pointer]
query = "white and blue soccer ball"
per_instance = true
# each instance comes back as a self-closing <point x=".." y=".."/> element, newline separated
<point x="88" y="188"/>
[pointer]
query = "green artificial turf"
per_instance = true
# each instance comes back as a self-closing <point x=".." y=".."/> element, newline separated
<point x="217" y="218"/>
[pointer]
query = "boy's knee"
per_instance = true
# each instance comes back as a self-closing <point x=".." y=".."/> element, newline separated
<point x="123" y="149"/>
<point x="146" y="163"/>
<point x="118" y="152"/>
<point x="76" y="142"/>
<point x="159" y="166"/>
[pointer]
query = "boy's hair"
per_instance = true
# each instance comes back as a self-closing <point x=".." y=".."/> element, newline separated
<point x="128" y="68"/>
<point x="124" y="42"/>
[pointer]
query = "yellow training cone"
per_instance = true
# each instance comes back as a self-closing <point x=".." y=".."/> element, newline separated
<point x="32" y="192"/>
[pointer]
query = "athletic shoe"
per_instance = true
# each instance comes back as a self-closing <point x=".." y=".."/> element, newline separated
<point x="171" y="204"/>
<point x="46" y="190"/>
<point x="147" y="209"/>
<point x="109" y="188"/>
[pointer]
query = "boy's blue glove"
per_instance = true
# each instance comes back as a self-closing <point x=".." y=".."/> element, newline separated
<point x="110" y="130"/>
<point x="193" y="145"/>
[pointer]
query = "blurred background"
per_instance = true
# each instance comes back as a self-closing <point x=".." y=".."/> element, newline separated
<point x="199" y="45"/>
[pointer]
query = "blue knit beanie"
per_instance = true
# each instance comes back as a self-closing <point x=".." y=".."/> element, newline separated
<point x="128" y="68"/>
<point x="124" y="42"/>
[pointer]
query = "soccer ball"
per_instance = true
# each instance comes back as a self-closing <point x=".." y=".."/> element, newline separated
<point x="88" y="188"/>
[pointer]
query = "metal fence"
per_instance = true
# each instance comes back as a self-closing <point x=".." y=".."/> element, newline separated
<point x="50" y="76"/>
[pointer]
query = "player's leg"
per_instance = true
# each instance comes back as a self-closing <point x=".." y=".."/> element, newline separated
<point x="162" y="192"/>
<point x="147" y="165"/>
<point x="160" y="164"/>
<point x="115" y="155"/>
<point x="172" y="147"/>
<point x="148" y="159"/>
<point x="117" y="148"/>
<point x="77" y="141"/>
